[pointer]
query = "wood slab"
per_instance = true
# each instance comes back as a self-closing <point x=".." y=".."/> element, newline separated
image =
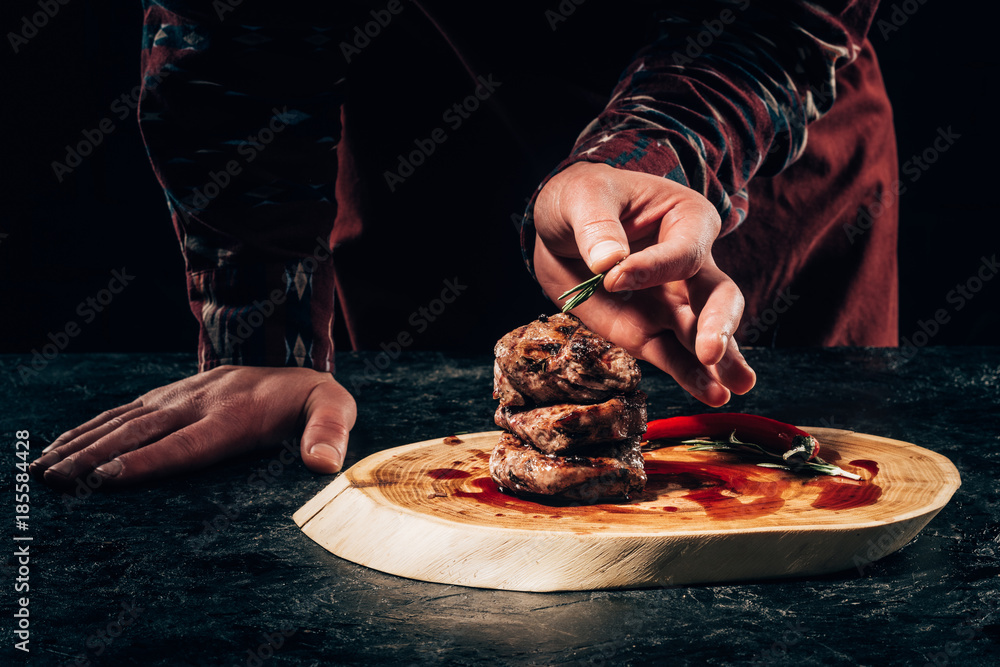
<point x="430" y="511"/>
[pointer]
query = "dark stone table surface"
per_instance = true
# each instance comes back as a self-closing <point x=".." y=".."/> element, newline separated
<point x="138" y="577"/>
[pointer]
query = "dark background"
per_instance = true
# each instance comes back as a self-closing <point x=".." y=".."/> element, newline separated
<point x="62" y="240"/>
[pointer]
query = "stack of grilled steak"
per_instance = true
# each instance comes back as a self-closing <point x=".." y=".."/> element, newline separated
<point x="571" y="412"/>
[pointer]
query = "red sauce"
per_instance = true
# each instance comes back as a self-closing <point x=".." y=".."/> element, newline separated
<point x="839" y="493"/>
<point x="448" y="473"/>
<point x="489" y="493"/>
<point x="865" y="464"/>
<point x="707" y="485"/>
<point x="724" y="492"/>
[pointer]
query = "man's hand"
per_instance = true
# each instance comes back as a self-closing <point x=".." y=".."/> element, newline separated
<point x="203" y="419"/>
<point x="666" y="301"/>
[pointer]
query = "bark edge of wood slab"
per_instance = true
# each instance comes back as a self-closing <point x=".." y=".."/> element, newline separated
<point x="429" y="511"/>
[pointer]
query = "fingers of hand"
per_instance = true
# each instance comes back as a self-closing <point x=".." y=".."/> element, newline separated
<point x="330" y="413"/>
<point x="719" y="304"/>
<point x="602" y="243"/>
<point x="92" y="424"/>
<point x="556" y="274"/>
<point x="101" y="446"/>
<point x="684" y="244"/>
<point x="193" y="446"/>
<point x="85" y="435"/>
<point x="577" y="213"/>
<point x="734" y="371"/>
<point x="668" y="354"/>
<point x="678" y="259"/>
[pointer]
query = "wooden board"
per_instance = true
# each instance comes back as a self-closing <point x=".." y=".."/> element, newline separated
<point x="430" y="511"/>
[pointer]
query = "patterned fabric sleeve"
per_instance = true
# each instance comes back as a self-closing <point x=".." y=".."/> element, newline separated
<point x="240" y="115"/>
<point x="726" y="92"/>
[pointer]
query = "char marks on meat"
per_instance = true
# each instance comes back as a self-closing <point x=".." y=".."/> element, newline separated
<point x="611" y="470"/>
<point x="571" y="412"/>
<point x="558" y="360"/>
<point x="503" y="391"/>
<point x="556" y="429"/>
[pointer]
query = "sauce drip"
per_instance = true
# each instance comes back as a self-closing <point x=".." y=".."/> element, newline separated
<point x="839" y="493"/>
<point x="724" y="492"/>
<point x="448" y="473"/>
<point x="865" y="464"/>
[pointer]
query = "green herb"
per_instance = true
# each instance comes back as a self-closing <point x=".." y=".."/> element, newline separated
<point x="794" y="460"/>
<point x="582" y="292"/>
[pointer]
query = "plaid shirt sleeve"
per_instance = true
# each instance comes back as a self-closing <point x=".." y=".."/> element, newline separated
<point x="241" y="135"/>
<point x="726" y="91"/>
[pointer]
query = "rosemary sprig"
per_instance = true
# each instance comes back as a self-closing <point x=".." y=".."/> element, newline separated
<point x="583" y="291"/>
<point x="794" y="460"/>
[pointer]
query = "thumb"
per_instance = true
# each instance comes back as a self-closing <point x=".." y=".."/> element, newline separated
<point x="597" y="230"/>
<point x="586" y="199"/>
<point x="602" y="243"/>
<point x="330" y="412"/>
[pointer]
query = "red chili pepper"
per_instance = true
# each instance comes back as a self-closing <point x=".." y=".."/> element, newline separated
<point x="768" y="433"/>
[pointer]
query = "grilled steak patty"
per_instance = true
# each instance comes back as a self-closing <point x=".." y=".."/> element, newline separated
<point x="611" y="470"/>
<point x="503" y="391"/>
<point x="556" y="359"/>
<point x="559" y="429"/>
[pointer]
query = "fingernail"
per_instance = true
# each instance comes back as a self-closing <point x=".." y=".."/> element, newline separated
<point x="605" y="249"/>
<point x="725" y="343"/>
<point x="110" y="469"/>
<point x="328" y="452"/>
<point x="49" y="448"/>
<point x="64" y="468"/>
<point x="46" y="460"/>
<point x="624" y="283"/>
